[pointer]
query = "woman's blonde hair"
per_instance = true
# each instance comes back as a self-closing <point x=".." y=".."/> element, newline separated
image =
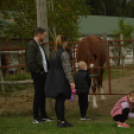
<point x="81" y="64"/>
<point x="60" y="41"/>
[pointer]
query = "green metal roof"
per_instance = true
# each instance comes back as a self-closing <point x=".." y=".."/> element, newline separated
<point x="98" y="25"/>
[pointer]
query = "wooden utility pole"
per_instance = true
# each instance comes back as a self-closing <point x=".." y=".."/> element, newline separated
<point x="42" y="21"/>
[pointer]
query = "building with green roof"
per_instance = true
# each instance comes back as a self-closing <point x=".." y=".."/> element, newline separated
<point x="98" y="25"/>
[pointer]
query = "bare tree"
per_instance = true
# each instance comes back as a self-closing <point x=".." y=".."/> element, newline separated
<point x="42" y="21"/>
<point x="54" y="27"/>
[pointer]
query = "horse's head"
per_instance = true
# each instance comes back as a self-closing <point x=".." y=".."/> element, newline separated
<point x="88" y="52"/>
<point x="92" y="64"/>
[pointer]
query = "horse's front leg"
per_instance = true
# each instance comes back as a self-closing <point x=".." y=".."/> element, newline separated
<point x="102" y="96"/>
<point x="94" y="97"/>
<point x="94" y="102"/>
<point x="101" y="91"/>
<point x="94" y="84"/>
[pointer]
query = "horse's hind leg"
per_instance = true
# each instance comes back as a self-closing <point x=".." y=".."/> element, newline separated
<point x="94" y="99"/>
<point x="100" y="87"/>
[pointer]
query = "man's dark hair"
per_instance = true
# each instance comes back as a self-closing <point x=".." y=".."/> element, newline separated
<point x="39" y="30"/>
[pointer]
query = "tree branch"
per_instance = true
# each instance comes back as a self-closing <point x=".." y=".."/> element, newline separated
<point x="51" y="34"/>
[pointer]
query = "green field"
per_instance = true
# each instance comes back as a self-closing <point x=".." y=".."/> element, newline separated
<point x="98" y="125"/>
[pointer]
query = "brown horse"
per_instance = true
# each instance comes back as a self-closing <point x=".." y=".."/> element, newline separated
<point x="93" y="51"/>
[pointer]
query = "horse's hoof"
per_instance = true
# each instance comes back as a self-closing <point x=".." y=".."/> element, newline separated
<point x="103" y="98"/>
<point x="95" y="107"/>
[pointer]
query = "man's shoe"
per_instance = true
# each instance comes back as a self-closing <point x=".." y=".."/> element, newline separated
<point x="37" y="121"/>
<point x="48" y="119"/>
<point x="85" y="118"/>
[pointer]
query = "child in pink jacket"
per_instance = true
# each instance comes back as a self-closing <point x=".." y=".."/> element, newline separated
<point x="122" y="110"/>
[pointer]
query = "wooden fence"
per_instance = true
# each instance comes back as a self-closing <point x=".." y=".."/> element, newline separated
<point x="73" y="46"/>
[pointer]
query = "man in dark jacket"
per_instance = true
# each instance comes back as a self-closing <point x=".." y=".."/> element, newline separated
<point x="37" y="63"/>
<point x="82" y="85"/>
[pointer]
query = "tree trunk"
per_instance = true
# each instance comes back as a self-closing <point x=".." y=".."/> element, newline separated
<point x="52" y="29"/>
<point x="122" y="53"/>
<point x="54" y="26"/>
<point x="42" y="21"/>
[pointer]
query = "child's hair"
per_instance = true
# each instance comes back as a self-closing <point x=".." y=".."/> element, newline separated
<point x="81" y="64"/>
<point x="131" y="94"/>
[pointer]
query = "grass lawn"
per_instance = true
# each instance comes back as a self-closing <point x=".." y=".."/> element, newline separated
<point x="98" y="125"/>
<point x="101" y="123"/>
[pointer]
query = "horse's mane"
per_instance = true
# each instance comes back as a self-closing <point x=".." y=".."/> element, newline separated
<point x="89" y="44"/>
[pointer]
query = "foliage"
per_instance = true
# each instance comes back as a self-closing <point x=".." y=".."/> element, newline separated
<point x="118" y="73"/>
<point x="15" y="77"/>
<point x="120" y="8"/>
<point x="23" y="16"/>
<point x="124" y="28"/>
<point x="65" y="16"/>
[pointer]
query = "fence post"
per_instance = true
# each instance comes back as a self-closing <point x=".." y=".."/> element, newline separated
<point x="132" y="35"/>
<point x="104" y="37"/>
<point x="122" y="52"/>
<point x="109" y="70"/>
<point x="74" y="58"/>
<point x="7" y="62"/>
<point x="1" y="76"/>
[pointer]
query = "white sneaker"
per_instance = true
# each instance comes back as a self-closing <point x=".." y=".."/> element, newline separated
<point x="85" y="118"/>
<point x="48" y="119"/>
<point x="35" y="121"/>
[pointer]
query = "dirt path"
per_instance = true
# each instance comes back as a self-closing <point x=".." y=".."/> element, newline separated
<point x="21" y="102"/>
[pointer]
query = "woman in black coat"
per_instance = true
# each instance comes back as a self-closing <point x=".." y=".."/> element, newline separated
<point x="59" y="79"/>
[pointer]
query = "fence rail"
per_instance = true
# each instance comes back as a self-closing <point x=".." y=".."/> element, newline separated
<point x="16" y="82"/>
